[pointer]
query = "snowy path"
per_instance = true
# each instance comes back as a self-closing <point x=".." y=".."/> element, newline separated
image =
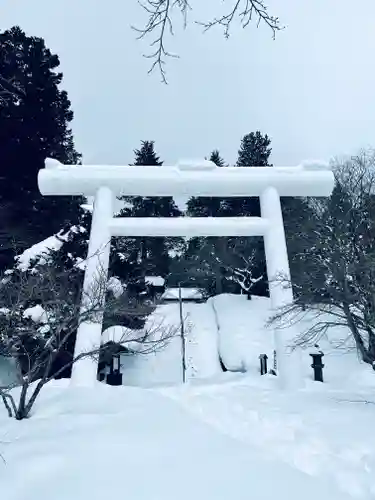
<point x="319" y="433"/>
<point x="136" y="444"/>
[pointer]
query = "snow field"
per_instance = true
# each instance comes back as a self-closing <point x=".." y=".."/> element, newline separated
<point x="123" y="442"/>
<point x="319" y="431"/>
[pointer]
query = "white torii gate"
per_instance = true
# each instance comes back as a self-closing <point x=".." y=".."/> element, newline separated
<point x="184" y="180"/>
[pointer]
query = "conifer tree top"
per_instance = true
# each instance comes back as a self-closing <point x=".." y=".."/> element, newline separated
<point x="146" y="155"/>
<point x="217" y="159"/>
<point x="254" y="150"/>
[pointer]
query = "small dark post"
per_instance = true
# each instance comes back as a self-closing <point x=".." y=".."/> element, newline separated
<point x="114" y="377"/>
<point x="317" y="365"/>
<point x="263" y="364"/>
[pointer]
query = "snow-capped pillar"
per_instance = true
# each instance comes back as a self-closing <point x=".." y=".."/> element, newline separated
<point x="278" y="271"/>
<point x="89" y="332"/>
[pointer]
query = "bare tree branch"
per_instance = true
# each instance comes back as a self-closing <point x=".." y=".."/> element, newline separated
<point x="160" y="23"/>
<point x="246" y="11"/>
<point x="39" y="342"/>
<point x="335" y="286"/>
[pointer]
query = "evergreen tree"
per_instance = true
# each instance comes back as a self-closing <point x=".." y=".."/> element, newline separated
<point x="204" y="265"/>
<point x="207" y="206"/>
<point x="254" y="152"/>
<point x="217" y="159"/>
<point x="33" y="126"/>
<point x="152" y="253"/>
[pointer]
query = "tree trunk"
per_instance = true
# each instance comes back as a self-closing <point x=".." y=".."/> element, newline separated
<point x="22" y="403"/>
<point x="356" y="335"/>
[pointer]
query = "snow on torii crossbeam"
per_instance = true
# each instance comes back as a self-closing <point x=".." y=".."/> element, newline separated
<point x="185" y="180"/>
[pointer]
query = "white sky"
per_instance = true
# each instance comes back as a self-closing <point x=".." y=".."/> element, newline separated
<point x="311" y="90"/>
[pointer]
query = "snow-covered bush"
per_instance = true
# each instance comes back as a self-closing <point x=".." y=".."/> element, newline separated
<point x="41" y="313"/>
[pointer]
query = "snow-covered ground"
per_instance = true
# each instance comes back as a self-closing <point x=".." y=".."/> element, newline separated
<point x="324" y="430"/>
<point x="220" y="436"/>
<point x="133" y="443"/>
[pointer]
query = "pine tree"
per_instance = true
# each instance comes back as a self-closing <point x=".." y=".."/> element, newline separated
<point x="33" y="126"/>
<point x="207" y="206"/>
<point x="209" y="269"/>
<point x="153" y="253"/>
<point x="217" y="159"/>
<point x="254" y="150"/>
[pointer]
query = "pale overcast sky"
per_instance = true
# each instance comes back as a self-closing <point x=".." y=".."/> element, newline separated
<point x="311" y="90"/>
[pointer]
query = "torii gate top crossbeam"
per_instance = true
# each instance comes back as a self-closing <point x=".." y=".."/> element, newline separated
<point x="174" y="181"/>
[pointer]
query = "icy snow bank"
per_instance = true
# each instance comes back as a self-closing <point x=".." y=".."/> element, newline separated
<point x="116" y="442"/>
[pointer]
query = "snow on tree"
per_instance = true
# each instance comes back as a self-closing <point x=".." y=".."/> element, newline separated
<point x="336" y="265"/>
<point x="38" y="324"/>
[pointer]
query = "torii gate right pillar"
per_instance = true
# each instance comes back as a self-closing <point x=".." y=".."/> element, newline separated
<point x="278" y="270"/>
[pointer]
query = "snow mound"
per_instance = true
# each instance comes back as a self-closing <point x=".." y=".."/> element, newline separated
<point x="186" y="294"/>
<point x="36" y="313"/>
<point x="196" y="165"/>
<point x="117" y="334"/>
<point x="155" y="280"/>
<point x="52" y="163"/>
<point x="114" y="286"/>
<point x="131" y="339"/>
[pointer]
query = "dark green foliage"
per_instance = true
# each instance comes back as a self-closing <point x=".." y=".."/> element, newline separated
<point x="33" y="126"/>
<point x="231" y="264"/>
<point x="254" y="152"/>
<point x="217" y="159"/>
<point x="205" y="206"/>
<point x="150" y="254"/>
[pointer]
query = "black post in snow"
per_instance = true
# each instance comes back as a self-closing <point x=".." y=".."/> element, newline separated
<point x="263" y="364"/>
<point x="317" y="366"/>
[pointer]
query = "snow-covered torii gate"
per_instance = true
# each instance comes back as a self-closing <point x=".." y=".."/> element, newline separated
<point x="184" y="180"/>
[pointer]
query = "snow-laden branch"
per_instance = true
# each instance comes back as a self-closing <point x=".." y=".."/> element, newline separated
<point x="38" y="337"/>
